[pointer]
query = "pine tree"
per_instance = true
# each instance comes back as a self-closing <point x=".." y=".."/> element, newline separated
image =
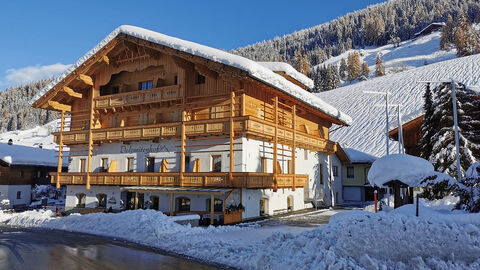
<point x="428" y="125"/>
<point x="343" y="69"/>
<point x="305" y="65"/>
<point x="379" y="69"/>
<point x="467" y="39"/>
<point x="447" y="37"/>
<point x="469" y="190"/>
<point x="365" y="70"/>
<point x="335" y="76"/>
<point x="354" y="67"/>
<point x="298" y="61"/>
<point x="443" y="156"/>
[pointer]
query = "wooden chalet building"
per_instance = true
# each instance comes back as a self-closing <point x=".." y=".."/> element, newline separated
<point x="412" y="135"/>
<point x="168" y="124"/>
<point x="22" y="167"/>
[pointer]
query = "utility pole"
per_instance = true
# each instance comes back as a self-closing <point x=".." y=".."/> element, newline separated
<point x="387" y="126"/>
<point x="401" y="146"/>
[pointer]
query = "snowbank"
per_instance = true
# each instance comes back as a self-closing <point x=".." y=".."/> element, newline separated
<point x="254" y="69"/>
<point x="353" y="239"/>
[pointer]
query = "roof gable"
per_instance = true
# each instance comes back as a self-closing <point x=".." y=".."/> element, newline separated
<point x="254" y="70"/>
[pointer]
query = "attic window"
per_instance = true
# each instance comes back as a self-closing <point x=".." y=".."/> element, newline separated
<point x="200" y="79"/>
<point x="145" y="85"/>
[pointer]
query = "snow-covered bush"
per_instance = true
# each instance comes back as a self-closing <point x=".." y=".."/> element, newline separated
<point x="40" y="191"/>
<point x="469" y="190"/>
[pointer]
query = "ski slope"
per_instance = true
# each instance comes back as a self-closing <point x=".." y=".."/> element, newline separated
<point x="408" y="55"/>
<point x="39" y="135"/>
<point x="367" y="133"/>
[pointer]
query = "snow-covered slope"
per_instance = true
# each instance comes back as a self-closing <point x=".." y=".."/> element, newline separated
<point x="33" y="137"/>
<point x="410" y="54"/>
<point x="367" y="133"/>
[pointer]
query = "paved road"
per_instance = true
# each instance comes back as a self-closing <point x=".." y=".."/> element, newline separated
<point x="45" y="249"/>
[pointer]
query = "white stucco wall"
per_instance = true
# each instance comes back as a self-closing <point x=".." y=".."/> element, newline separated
<point x="9" y="192"/>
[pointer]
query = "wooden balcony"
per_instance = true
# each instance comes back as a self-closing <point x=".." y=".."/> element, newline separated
<point x="249" y="125"/>
<point x="199" y="179"/>
<point x="155" y="95"/>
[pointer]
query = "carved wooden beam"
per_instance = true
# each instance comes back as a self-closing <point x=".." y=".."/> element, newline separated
<point x="59" y="106"/>
<point x="86" y="79"/>
<point x="71" y="92"/>
<point x="104" y="59"/>
<point x="205" y="71"/>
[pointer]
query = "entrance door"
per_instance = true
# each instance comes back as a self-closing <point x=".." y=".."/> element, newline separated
<point x="130" y="200"/>
<point x="263" y="206"/>
<point x="155" y="202"/>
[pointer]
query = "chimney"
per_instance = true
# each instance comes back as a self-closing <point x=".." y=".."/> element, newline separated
<point x="10" y="142"/>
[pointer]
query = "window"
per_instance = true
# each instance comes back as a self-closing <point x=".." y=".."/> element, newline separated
<point x="350" y="172"/>
<point x="200" y="79"/>
<point x="102" y="200"/>
<point x="264" y="164"/>
<point x="81" y="200"/>
<point x="183" y="204"/>
<point x="187" y="163"/>
<point x="335" y="170"/>
<point x="115" y="90"/>
<point x="22" y="174"/>
<point x="217" y="205"/>
<point x="39" y="174"/>
<point x="82" y="164"/>
<point x="130" y="164"/>
<point x="305" y="154"/>
<point x="216" y="163"/>
<point x="104" y="164"/>
<point x="145" y="85"/>
<point x="19" y="195"/>
<point x="150" y="164"/>
<point x="175" y="80"/>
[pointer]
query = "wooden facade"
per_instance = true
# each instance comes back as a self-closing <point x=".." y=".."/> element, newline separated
<point x="412" y="135"/>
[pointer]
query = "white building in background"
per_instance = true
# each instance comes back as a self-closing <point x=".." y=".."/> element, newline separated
<point x="21" y="167"/>
<point x="162" y="123"/>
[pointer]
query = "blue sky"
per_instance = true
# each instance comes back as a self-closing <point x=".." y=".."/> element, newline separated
<point x="41" y="38"/>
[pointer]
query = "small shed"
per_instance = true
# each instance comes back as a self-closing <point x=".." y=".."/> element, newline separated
<point x="402" y="173"/>
<point x="436" y="26"/>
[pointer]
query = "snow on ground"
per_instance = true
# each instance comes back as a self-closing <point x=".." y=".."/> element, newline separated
<point x="367" y="133"/>
<point x="353" y="239"/>
<point x="410" y="54"/>
<point x="34" y="136"/>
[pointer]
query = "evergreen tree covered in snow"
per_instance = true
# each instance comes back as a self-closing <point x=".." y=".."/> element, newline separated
<point x="438" y="128"/>
<point x="365" y="71"/>
<point x="428" y="124"/>
<point x="469" y="190"/>
<point x="467" y="39"/>
<point x="16" y="111"/>
<point x="443" y="156"/>
<point x="379" y="69"/>
<point x="343" y="69"/>
<point x="354" y="68"/>
<point x="448" y="34"/>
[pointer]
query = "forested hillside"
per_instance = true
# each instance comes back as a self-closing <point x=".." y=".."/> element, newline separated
<point x="16" y="111"/>
<point x="390" y="22"/>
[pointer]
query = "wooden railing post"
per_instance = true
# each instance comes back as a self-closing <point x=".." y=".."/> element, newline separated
<point x="182" y="149"/>
<point x="232" y="134"/>
<point x="60" y="148"/>
<point x="275" y="145"/>
<point x="90" y="138"/>
<point x="294" y="146"/>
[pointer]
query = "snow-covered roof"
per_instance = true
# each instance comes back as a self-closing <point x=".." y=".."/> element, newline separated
<point x="24" y="155"/>
<point x="435" y="24"/>
<point x="367" y="133"/>
<point x="255" y="70"/>
<point x="359" y="157"/>
<point x="290" y="71"/>
<point x="408" y="169"/>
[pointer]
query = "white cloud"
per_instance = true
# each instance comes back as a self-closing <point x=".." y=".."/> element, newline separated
<point x="33" y="73"/>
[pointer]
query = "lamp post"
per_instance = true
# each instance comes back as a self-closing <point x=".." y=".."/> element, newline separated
<point x="387" y="126"/>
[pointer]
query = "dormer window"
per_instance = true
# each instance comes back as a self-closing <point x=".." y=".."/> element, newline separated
<point x="145" y="85"/>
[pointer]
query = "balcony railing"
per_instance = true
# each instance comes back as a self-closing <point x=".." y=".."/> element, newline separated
<point x="198" y="179"/>
<point x="154" y="95"/>
<point x="244" y="124"/>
